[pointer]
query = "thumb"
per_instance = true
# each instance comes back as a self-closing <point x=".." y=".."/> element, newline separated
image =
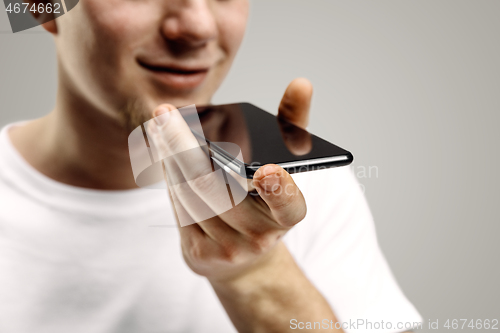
<point x="277" y="188"/>
<point x="296" y="101"/>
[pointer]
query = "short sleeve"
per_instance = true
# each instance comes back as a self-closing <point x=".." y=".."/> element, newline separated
<point x="336" y="246"/>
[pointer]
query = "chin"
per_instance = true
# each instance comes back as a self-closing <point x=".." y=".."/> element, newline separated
<point x="179" y="101"/>
<point x="134" y="113"/>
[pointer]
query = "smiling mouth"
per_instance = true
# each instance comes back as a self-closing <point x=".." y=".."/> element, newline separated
<point x="180" y="78"/>
<point x="173" y="69"/>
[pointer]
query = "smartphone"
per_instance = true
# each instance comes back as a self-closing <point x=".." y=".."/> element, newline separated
<point x="242" y="137"/>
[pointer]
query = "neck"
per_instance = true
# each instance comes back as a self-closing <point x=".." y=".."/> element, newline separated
<point x="77" y="144"/>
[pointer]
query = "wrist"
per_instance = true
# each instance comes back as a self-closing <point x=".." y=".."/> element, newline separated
<point x="265" y="297"/>
<point x="266" y="273"/>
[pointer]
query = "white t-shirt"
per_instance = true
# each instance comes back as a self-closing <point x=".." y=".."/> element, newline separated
<point x="89" y="261"/>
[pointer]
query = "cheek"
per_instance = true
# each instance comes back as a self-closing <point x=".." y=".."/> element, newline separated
<point x="232" y="19"/>
<point x="117" y="25"/>
<point x="100" y="56"/>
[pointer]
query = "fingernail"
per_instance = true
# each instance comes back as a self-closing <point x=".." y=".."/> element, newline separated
<point x="265" y="171"/>
<point x="161" y="116"/>
<point x="270" y="183"/>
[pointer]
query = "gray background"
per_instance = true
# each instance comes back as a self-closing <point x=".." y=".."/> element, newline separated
<point x="410" y="87"/>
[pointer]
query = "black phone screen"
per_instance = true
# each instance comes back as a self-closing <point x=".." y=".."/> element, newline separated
<point x="264" y="138"/>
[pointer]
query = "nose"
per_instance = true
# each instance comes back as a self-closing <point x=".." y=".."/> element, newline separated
<point x="192" y="23"/>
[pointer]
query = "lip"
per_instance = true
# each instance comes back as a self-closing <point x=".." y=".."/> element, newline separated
<point x="175" y="76"/>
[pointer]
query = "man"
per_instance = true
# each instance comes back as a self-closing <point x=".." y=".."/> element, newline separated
<point x="78" y="253"/>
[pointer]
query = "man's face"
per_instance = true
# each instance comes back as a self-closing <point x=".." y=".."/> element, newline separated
<point x="124" y="57"/>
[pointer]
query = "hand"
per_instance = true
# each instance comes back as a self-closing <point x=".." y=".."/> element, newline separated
<point x="231" y="242"/>
<point x="239" y="249"/>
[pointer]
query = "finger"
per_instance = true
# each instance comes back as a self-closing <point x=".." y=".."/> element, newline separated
<point x="188" y="230"/>
<point x="182" y="197"/>
<point x="277" y="188"/>
<point x="183" y="194"/>
<point x="213" y="228"/>
<point x="297" y="140"/>
<point x="189" y="207"/>
<point x="193" y="161"/>
<point x="199" y="212"/>
<point x="192" y="210"/>
<point x="197" y="188"/>
<point x="296" y="102"/>
<point x="159" y="149"/>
